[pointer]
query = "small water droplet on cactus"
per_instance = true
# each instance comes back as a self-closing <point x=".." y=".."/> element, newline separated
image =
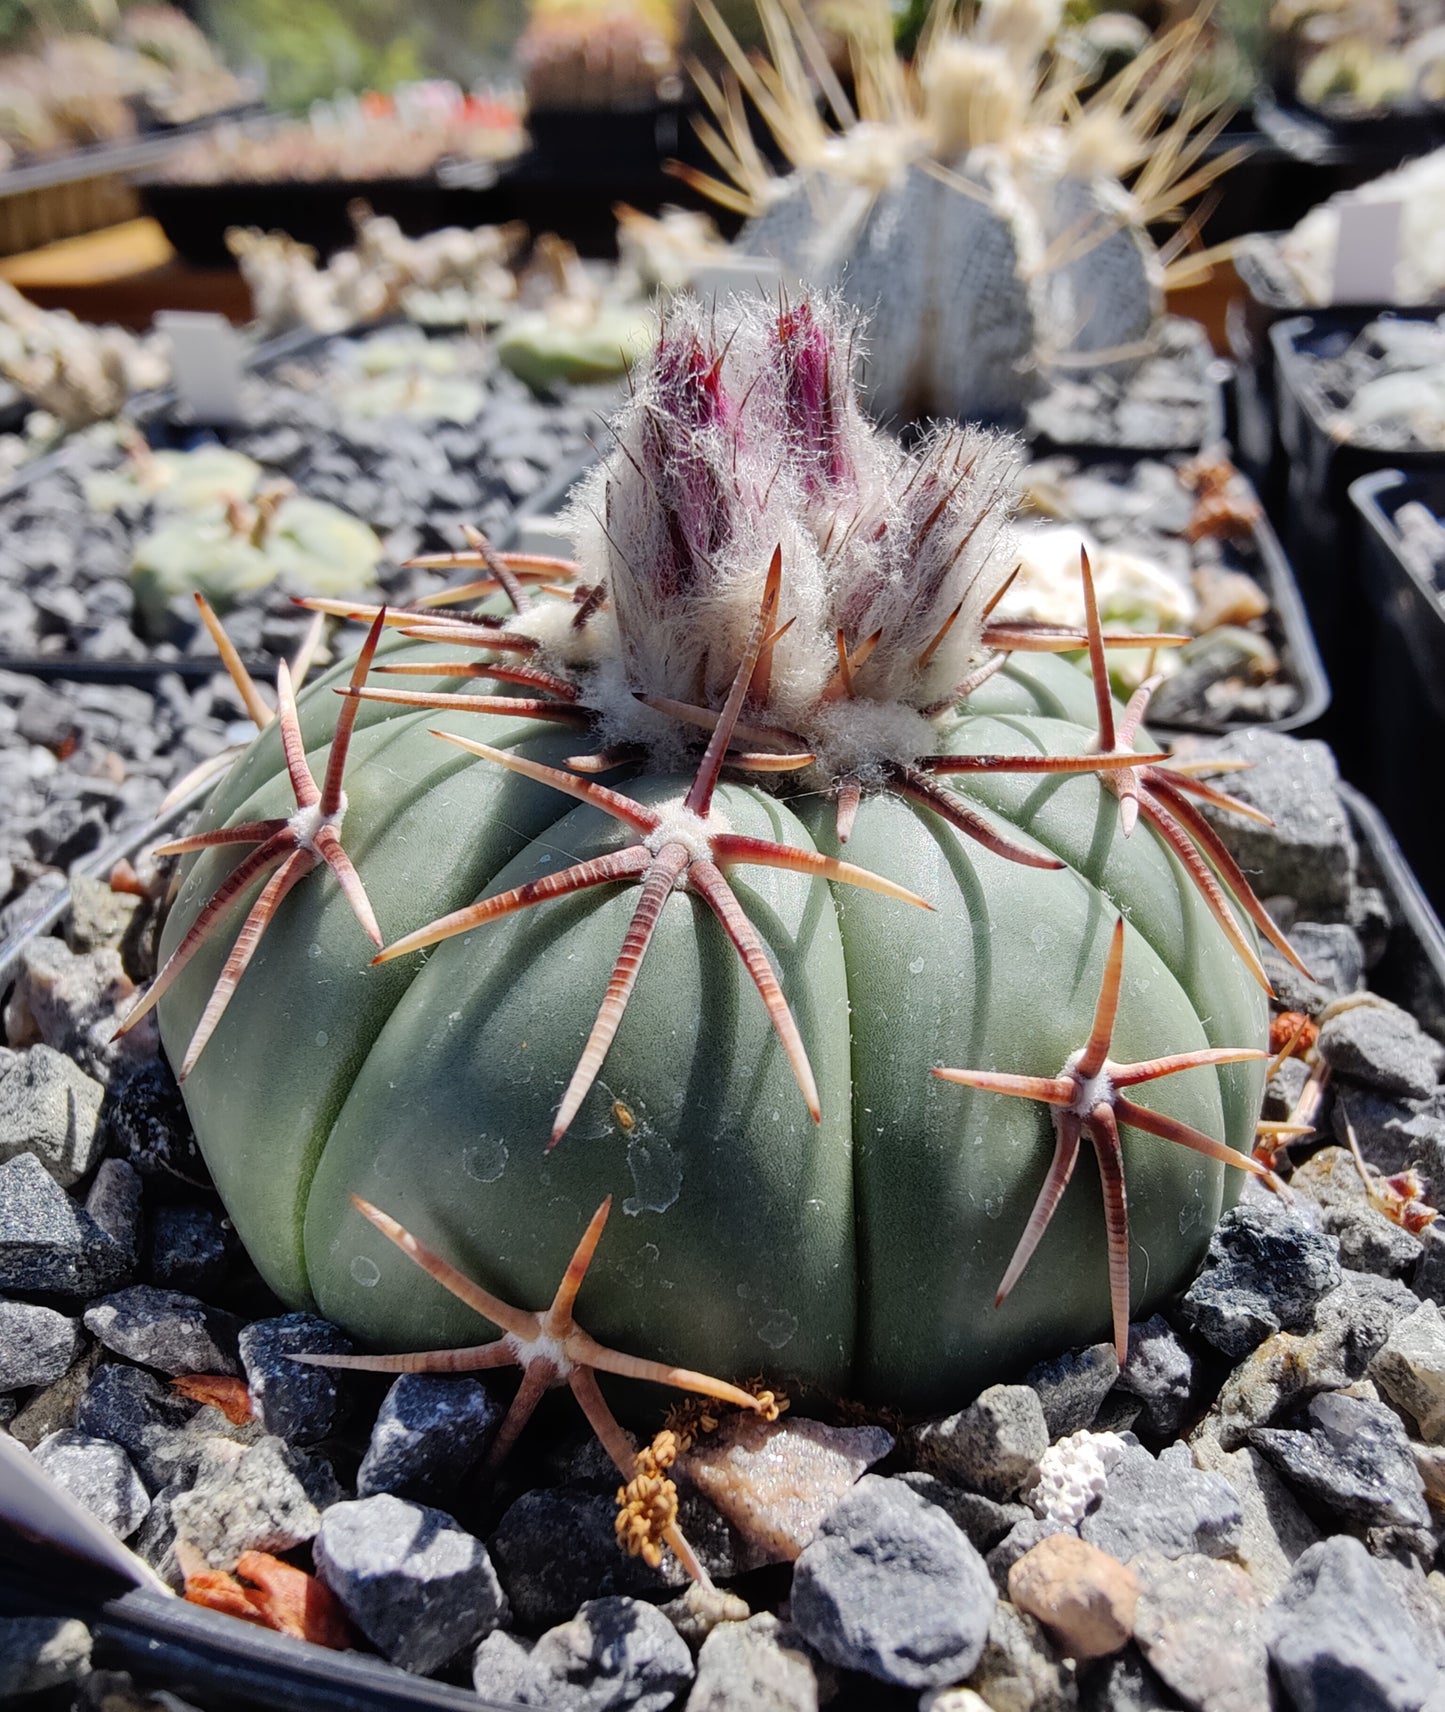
<point x="365" y="1271"/>
<point x="486" y="1160"/>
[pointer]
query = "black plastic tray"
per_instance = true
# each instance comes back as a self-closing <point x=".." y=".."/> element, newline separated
<point x="225" y="1664"/>
<point x="1322" y="531"/>
<point x="1407" y="714"/>
<point x="195" y="217"/>
<point x="1272" y="295"/>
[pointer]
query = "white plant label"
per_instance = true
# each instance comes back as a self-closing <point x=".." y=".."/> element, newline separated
<point x="207" y="357"/>
<point x="1366" y="249"/>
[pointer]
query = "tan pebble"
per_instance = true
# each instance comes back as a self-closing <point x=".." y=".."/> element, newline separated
<point x="1084" y="1597"/>
<point x="776" y="1481"/>
<point x="953" y="1700"/>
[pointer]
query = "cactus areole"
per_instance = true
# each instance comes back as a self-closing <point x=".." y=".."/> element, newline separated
<point x="929" y="849"/>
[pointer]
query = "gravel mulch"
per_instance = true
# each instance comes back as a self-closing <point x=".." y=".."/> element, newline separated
<point x="1248" y="1514"/>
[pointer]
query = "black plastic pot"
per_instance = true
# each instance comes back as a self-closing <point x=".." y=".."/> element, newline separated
<point x="1322" y="532"/>
<point x="1272" y="295"/>
<point x="217" y="1661"/>
<point x="1350" y="148"/>
<point x="1407" y="711"/>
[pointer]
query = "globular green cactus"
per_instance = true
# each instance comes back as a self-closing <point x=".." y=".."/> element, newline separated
<point x="778" y="637"/>
<point x="975" y="198"/>
<point x="227" y="550"/>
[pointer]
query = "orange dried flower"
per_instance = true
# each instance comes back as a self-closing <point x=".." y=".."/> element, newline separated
<point x="281" y="1597"/>
<point x="1292" y="1030"/>
<point x="228" y="1395"/>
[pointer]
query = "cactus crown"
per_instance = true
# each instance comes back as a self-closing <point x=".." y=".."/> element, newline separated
<point x="745" y="435"/>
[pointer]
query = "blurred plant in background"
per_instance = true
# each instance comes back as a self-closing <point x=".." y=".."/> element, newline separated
<point x="312" y="49"/>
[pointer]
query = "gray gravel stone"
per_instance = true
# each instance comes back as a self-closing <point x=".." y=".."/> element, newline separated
<point x="51" y="1108"/>
<point x="419" y="1587"/>
<point x="1351" y="1323"/>
<point x="70" y="1001"/>
<point x="1392" y="1133"/>
<point x="188" y="1248"/>
<point x="1160" y="1373"/>
<point x="1410" y="1370"/>
<point x="1369" y="1242"/>
<point x="297" y="1402"/>
<point x="1198" y="1624"/>
<point x="259" y="1497"/>
<point x="55" y="1405"/>
<point x="36" y="1345"/>
<point x="1352" y="1455"/>
<point x="1021" y="1666"/>
<point x="1334" y="954"/>
<point x="616" y="1655"/>
<point x="1383" y="1047"/>
<point x="1309" y="853"/>
<point x="1167" y="1506"/>
<point x="1276" y="1530"/>
<point x="99" y="1476"/>
<point x="546" y="1586"/>
<point x="1338" y="1639"/>
<point x="430" y="1431"/>
<point x="1073" y="1385"/>
<point x="1264" y="1272"/>
<point x="1126" y="1683"/>
<point x="37" y="1653"/>
<point x="984" y="1520"/>
<point x="166" y="1330"/>
<point x="889" y="1586"/>
<point x="749" y="1667"/>
<point x="993" y="1445"/>
<point x="114" y="1202"/>
<point x="47" y="1243"/>
<point x="501" y="1668"/>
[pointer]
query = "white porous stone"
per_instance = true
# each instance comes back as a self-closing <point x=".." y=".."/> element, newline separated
<point x="1072" y="1476"/>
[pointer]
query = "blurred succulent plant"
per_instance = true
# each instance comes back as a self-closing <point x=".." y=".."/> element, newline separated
<point x="973" y="197"/>
<point x="225" y="551"/>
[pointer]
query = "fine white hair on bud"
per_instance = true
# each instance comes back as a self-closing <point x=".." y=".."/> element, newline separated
<point x="744" y="434"/>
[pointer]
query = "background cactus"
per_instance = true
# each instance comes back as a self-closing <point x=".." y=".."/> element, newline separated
<point x="751" y="537"/>
<point x="973" y="197"/>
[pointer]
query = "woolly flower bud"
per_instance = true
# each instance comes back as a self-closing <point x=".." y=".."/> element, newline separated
<point x="744" y="435"/>
<point x="821" y="421"/>
<point x="923" y="584"/>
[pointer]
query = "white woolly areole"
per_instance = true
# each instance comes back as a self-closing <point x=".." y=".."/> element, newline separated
<point x="1072" y="1476"/>
<point x="680" y="825"/>
<point x="859" y="739"/>
<point x="540" y="1348"/>
<point x="307" y="822"/>
<point x="550" y="624"/>
<point x="1089" y="1091"/>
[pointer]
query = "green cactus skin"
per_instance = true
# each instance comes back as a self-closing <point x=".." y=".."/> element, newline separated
<point x="859" y="1256"/>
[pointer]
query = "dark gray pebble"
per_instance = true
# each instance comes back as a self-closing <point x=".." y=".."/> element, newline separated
<point x="417" y="1586"/>
<point x="48" y="1243"/>
<point x="1264" y="1272"/>
<point x="431" y="1430"/>
<point x="1351" y="1455"/>
<point x="299" y="1403"/>
<point x="890" y="1587"/>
